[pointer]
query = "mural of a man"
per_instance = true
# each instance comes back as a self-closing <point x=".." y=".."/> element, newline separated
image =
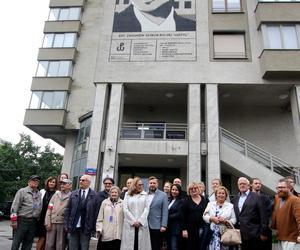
<point x="151" y="15"/>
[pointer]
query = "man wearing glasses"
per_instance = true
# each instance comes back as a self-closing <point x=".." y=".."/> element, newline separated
<point x="102" y="195"/>
<point x="286" y="217"/>
<point x="25" y="211"/>
<point x="81" y="214"/>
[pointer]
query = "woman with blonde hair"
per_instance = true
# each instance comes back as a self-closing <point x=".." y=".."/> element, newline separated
<point x="192" y="222"/>
<point x="219" y="213"/>
<point x="135" y="235"/>
<point x="110" y="221"/>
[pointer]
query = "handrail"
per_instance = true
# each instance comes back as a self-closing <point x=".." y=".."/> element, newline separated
<point x="258" y="154"/>
<point x="154" y="130"/>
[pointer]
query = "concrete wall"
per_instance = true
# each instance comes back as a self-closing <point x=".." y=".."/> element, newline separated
<point x="267" y="127"/>
<point x="82" y="95"/>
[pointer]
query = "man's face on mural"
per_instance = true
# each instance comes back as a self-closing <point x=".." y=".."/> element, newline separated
<point x="148" y="5"/>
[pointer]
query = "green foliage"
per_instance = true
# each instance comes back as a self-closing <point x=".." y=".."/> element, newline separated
<point x="19" y="161"/>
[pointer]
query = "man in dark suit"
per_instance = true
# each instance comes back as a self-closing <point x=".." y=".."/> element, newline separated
<point x="151" y="15"/>
<point x="81" y="215"/>
<point x="251" y="216"/>
<point x="158" y="213"/>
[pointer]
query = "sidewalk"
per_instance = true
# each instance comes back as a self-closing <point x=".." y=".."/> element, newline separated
<point x="5" y="235"/>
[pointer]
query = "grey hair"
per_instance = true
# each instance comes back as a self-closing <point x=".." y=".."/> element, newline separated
<point x="116" y="188"/>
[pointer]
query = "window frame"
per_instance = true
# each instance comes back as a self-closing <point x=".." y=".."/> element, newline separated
<point x="266" y="39"/>
<point x="226" y="9"/>
<point x="49" y="65"/>
<point x="59" y="14"/>
<point x="230" y="56"/>
<point x="42" y="96"/>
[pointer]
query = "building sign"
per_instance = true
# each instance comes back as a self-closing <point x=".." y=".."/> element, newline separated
<point x="153" y="30"/>
<point x="90" y="171"/>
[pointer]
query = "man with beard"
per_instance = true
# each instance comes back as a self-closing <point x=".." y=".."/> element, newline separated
<point x="158" y="213"/>
<point x="286" y="217"/>
<point x="151" y="15"/>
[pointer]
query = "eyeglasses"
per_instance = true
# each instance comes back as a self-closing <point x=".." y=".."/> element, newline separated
<point x="107" y="183"/>
<point x="83" y="180"/>
<point x="281" y="187"/>
<point x="193" y="188"/>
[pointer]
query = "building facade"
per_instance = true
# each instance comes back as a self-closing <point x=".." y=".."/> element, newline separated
<point x="192" y="89"/>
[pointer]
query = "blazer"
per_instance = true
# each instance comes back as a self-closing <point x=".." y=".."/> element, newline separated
<point x="174" y="220"/>
<point x="126" y="21"/>
<point x="158" y="212"/>
<point x="252" y="219"/>
<point x="91" y="212"/>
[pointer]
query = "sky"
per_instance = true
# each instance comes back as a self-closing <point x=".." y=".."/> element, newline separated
<point x="22" y="23"/>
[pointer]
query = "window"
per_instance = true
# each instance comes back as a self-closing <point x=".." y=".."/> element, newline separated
<point x="64" y="14"/>
<point x="60" y="40"/>
<point x="226" y="5"/>
<point x="48" y="100"/>
<point x="229" y="45"/>
<point x="280" y="36"/>
<point x="54" y="68"/>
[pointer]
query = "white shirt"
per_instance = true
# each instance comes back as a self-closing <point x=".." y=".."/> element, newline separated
<point x="242" y="199"/>
<point x="147" y="25"/>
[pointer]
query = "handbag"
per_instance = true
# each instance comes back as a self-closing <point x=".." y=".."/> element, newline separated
<point x="231" y="236"/>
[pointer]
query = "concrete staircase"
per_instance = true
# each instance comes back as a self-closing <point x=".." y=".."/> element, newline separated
<point x="247" y="159"/>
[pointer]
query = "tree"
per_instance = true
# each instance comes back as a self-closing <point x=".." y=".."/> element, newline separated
<point x="19" y="161"/>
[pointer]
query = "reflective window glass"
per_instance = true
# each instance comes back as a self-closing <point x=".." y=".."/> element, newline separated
<point x="233" y="5"/>
<point x="64" y="68"/>
<point x="42" y="68"/>
<point x="70" y="39"/>
<point x="74" y="13"/>
<point x="64" y="14"/>
<point x="289" y="37"/>
<point x="54" y="14"/>
<point x="53" y="68"/>
<point x="58" y="100"/>
<point x="47" y="100"/>
<point x="218" y="5"/>
<point x="274" y="37"/>
<point x="48" y="40"/>
<point x="35" y="101"/>
<point x="58" y="41"/>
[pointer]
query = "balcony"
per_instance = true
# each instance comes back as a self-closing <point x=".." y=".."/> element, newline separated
<point x="277" y="12"/>
<point x="62" y="26"/>
<point x="57" y="54"/>
<point x="49" y="123"/>
<point x="69" y="3"/>
<point x="277" y="63"/>
<point x="154" y="131"/>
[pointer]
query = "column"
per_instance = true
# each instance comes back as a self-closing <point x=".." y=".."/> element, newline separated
<point x="295" y="105"/>
<point x="194" y="125"/>
<point x="97" y="127"/>
<point x="68" y="154"/>
<point x="110" y="161"/>
<point x="213" y="169"/>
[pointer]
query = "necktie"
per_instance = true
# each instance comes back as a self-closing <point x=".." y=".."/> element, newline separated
<point x="83" y="196"/>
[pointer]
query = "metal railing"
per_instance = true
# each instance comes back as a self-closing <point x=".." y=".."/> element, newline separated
<point x="155" y="131"/>
<point x="256" y="153"/>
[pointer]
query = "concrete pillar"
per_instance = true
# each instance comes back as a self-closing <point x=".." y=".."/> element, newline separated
<point x="115" y="109"/>
<point x="68" y="154"/>
<point x="295" y="105"/>
<point x="194" y="125"/>
<point x="97" y="127"/>
<point x="213" y="169"/>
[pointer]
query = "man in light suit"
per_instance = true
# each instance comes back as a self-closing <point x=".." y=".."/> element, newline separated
<point x="251" y="216"/>
<point x="158" y="213"/>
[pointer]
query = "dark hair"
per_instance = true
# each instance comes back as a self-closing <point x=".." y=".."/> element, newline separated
<point x="51" y="178"/>
<point x="109" y="178"/>
<point x="179" y="190"/>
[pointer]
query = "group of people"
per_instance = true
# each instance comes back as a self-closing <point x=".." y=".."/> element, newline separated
<point x="133" y="219"/>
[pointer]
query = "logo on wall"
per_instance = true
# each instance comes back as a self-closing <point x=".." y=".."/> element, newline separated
<point x="154" y="30"/>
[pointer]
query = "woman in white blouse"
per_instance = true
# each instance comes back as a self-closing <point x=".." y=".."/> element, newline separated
<point x="218" y="213"/>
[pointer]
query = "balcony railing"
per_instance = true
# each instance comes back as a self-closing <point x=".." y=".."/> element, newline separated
<point x="154" y="131"/>
<point x="261" y="156"/>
